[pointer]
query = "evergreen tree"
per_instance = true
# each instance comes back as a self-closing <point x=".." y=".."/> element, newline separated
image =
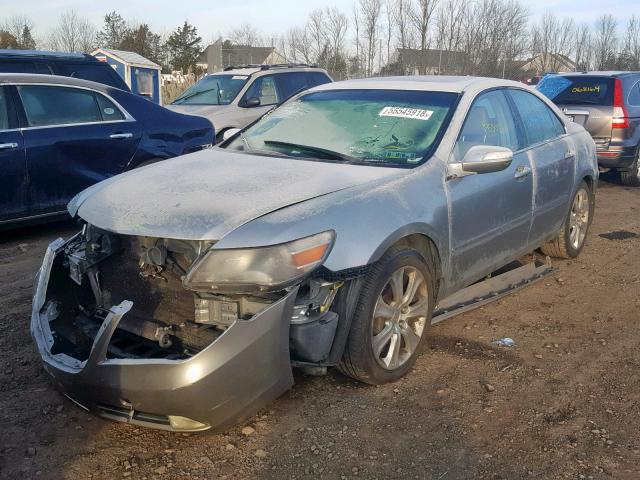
<point x="184" y="46"/>
<point x="113" y="31"/>
<point x="26" y="41"/>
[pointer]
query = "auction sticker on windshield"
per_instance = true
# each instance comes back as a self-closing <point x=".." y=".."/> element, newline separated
<point x="406" y="112"/>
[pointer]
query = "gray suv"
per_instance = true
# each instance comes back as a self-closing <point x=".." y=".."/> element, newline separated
<point x="607" y="105"/>
<point x="237" y="96"/>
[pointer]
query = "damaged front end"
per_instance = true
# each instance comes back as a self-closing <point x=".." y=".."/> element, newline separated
<point x="144" y="330"/>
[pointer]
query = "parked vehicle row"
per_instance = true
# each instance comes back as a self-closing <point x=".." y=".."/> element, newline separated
<point x="324" y="234"/>
<point x="607" y="104"/>
<point x="60" y="135"/>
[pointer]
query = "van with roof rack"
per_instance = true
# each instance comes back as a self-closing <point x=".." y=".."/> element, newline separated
<point x="239" y="95"/>
<point x="66" y="64"/>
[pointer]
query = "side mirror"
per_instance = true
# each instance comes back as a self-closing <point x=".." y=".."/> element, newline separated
<point x="227" y="134"/>
<point x="252" y="102"/>
<point x="486" y="159"/>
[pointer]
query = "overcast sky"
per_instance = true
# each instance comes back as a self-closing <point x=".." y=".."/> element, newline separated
<point x="216" y="17"/>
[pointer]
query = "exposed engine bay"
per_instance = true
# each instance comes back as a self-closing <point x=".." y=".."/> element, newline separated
<point x="99" y="269"/>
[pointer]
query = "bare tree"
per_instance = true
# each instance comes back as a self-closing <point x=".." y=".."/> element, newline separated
<point x="247" y="35"/>
<point x="421" y="19"/>
<point x="73" y="34"/>
<point x="583" y="47"/>
<point x="390" y="16"/>
<point x="449" y="33"/>
<point x="370" y="11"/>
<point x="552" y="40"/>
<point x="337" y="25"/>
<point x="631" y="45"/>
<point x="605" y="42"/>
<point x="297" y="46"/>
<point x="317" y="32"/>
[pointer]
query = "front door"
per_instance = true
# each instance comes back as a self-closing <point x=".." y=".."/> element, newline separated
<point x="13" y="170"/>
<point x="74" y="138"/>
<point x="490" y="212"/>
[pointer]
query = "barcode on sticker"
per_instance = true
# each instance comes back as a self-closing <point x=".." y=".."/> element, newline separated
<point x="406" y="112"/>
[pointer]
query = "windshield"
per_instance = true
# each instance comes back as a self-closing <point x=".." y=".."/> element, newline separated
<point x="388" y="127"/>
<point x="213" y="90"/>
<point x="577" y="90"/>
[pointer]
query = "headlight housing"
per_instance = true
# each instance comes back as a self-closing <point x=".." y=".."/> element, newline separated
<point x="273" y="267"/>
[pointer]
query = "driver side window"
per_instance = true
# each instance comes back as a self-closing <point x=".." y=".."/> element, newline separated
<point x="264" y="89"/>
<point x="489" y="122"/>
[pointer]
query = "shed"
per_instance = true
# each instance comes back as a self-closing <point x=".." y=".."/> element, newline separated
<point x="141" y="74"/>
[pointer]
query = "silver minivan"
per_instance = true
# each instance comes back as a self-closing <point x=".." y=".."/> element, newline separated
<point x="237" y="96"/>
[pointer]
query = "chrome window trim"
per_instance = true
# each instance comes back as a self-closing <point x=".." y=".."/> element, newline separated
<point x="127" y="116"/>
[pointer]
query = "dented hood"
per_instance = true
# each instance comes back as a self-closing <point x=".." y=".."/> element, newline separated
<point x="206" y="195"/>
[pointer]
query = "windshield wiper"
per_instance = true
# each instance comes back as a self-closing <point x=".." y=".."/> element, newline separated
<point x="323" y="151"/>
<point x="195" y="94"/>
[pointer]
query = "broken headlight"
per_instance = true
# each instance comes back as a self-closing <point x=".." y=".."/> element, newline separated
<point x="272" y="267"/>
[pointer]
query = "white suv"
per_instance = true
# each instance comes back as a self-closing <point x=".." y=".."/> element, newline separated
<point x="237" y="96"/>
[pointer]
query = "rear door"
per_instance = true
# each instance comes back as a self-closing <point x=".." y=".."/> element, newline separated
<point x="292" y="83"/>
<point x="553" y="156"/>
<point x="74" y="137"/>
<point x="13" y="169"/>
<point x="585" y="99"/>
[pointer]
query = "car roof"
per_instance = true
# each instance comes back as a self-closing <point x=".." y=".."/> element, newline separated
<point x="267" y="69"/>
<point x="23" y="78"/>
<point x="44" y="54"/>
<point x="436" y="83"/>
<point x="599" y="73"/>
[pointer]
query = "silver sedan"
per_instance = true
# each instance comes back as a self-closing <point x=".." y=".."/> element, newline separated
<point x="325" y="234"/>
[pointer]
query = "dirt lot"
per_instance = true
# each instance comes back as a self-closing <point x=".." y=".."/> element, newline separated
<point x="564" y="403"/>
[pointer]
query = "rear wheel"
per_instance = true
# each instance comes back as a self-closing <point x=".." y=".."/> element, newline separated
<point x="391" y="318"/>
<point x="570" y="239"/>
<point x="631" y="177"/>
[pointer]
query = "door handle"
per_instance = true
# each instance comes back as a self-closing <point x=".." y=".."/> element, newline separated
<point x="569" y="154"/>
<point x="121" y="135"/>
<point x="5" y="146"/>
<point x="522" y="171"/>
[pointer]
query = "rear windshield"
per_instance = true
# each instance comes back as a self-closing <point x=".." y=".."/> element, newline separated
<point x="94" y="71"/>
<point x="578" y="90"/>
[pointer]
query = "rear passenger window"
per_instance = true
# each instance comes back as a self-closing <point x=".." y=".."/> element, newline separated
<point x="538" y="120"/>
<point x="23" y="67"/>
<point x="291" y="84"/>
<point x="634" y="95"/>
<point x="489" y="122"/>
<point x="46" y="105"/>
<point x="108" y="110"/>
<point x="4" y="110"/>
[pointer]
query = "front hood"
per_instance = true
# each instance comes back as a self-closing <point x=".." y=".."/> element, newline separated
<point x="201" y="110"/>
<point x="207" y="194"/>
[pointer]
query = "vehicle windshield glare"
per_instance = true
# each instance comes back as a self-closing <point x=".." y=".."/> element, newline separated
<point x="213" y="90"/>
<point x="389" y="127"/>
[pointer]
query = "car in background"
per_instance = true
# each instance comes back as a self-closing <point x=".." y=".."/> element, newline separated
<point x="60" y="135"/>
<point x="325" y="234"/>
<point x="238" y="96"/>
<point x="607" y="104"/>
<point x="66" y="64"/>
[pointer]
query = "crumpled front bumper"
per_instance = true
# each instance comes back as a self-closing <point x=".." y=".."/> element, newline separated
<point x="241" y="371"/>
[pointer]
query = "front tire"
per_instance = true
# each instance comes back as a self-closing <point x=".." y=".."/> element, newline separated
<point x="572" y="235"/>
<point x="391" y="319"/>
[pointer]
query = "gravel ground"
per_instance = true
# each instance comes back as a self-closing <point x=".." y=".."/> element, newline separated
<point x="563" y="403"/>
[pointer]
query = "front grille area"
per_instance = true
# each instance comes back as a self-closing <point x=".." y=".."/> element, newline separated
<point x="109" y="270"/>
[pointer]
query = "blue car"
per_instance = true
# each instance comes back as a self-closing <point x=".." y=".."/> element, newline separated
<point x="60" y="135"/>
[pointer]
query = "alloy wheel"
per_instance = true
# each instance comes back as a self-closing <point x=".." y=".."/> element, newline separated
<point x="399" y="317"/>
<point x="579" y="219"/>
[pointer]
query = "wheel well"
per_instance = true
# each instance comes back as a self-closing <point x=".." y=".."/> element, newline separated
<point x="429" y="251"/>
<point x="589" y="181"/>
